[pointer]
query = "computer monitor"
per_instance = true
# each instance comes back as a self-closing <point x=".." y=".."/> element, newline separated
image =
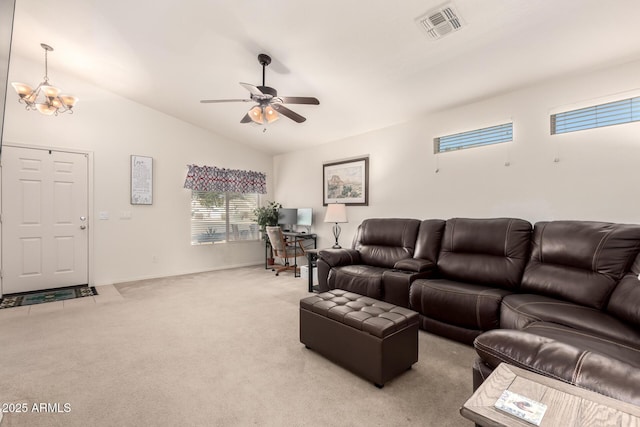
<point x="305" y="217"/>
<point x="287" y="217"/>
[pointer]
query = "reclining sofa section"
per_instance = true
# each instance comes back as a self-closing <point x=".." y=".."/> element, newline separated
<point x="385" y="257"/>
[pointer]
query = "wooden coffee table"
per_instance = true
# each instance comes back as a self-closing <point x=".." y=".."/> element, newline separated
<point x="567" y="405"/>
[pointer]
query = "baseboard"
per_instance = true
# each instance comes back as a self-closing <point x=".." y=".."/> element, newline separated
<point x="182" y="273"/>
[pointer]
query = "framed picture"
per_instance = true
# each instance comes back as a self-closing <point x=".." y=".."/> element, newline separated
<point x="141" y="180"/>
<point x="346" y="182"/>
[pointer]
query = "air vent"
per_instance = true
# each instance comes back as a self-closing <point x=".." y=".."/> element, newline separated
<point x="440" y="21"/>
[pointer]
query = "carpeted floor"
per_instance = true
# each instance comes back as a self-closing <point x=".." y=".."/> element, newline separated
<point x="211" y="349"/>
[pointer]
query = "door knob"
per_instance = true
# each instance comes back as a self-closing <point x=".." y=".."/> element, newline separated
<point x="83" y="218"/>
<point x="82" y="227"/>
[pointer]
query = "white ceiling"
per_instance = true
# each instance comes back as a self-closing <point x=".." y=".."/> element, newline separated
<point x="366" y="61"/>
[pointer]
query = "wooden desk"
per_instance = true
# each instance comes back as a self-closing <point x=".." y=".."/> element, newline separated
<point x="567" y="405"/>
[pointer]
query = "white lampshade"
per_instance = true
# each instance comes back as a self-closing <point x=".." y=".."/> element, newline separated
<point x="256" y="114"/>
<point x="69" y="100"/>
<point x="271" y="114"/>
<point x="46" y="109"/>
<point x="50" y="91"/>
<point x="22" y="89"/>
<point x="336" y="212"/>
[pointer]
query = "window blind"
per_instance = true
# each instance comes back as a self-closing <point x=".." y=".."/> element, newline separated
<point x="223" y="217"/>
<point x="612" y="113"/>
<point x="474" y="138"/>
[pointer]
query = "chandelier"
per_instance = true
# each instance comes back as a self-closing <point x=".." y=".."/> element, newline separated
<point x="45" y="98"/>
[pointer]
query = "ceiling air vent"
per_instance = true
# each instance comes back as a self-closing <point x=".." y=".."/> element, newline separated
<point x="439" y="22"/>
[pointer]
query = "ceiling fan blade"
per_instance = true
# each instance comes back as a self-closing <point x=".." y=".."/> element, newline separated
<point x="246" y="119"/>
<point x="299" y="100"/>
<point x="215" y="101"/>
<point x="253" y="90"/>
<point x="288" y="113"/>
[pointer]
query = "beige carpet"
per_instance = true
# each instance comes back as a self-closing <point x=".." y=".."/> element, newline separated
<point x="210" y="349"/>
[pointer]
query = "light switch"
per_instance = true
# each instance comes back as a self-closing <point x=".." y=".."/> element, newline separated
<point x="103" y="215"/>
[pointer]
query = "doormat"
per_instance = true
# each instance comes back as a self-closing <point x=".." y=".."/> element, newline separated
<point x="49" y="295"/>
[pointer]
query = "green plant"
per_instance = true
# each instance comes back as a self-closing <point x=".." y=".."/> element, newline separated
<point x="267" y="215"/>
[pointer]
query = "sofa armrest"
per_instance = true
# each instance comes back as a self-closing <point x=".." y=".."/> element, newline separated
<point x="545" y="356"/>
<point x="338" y="257"/>
<point x="417" y="265"/>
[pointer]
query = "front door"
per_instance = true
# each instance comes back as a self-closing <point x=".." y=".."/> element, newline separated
<point x="44" y="219"/>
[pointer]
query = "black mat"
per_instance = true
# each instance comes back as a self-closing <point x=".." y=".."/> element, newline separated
<point x="47" y="295"/>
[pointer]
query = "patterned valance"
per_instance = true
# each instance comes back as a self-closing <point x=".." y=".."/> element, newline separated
<point x="211" y="178"/>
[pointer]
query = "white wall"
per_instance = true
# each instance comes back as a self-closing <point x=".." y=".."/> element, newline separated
<point x="597" y="176"/>
<point x="113" y="128"/>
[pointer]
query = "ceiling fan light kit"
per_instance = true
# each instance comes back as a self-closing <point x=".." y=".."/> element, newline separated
<point x="45" y="98"/>
<point x="269" y="105"/>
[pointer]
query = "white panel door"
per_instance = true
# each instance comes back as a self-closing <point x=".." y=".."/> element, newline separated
<point x="44" y="219"/>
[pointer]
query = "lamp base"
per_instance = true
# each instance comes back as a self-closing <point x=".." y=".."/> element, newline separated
<point x="336" y="234"/>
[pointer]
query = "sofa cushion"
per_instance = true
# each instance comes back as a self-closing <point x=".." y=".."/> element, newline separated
<point x="583" y="368"/>
<point x="520" y="310"/>
<point x="625" y="299"/>
<point x="465" y="305"/>
<point x="580" y="261"/>
<point x="485" y="251"/>
<point x="360" y="279"/>
<point x="384" y="241"/>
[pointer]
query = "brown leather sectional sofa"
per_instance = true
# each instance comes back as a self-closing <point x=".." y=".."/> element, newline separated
<point x="561" y="298"/>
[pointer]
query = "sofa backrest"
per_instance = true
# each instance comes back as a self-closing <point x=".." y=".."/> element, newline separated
<point x="384" y="241"/>
<point x="429" y="239"/>
<point x="625" y="299"/>
<point x="580" y="261"/>
<point x="490" y="251"/>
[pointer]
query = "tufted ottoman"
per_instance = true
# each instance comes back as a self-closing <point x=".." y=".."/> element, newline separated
<point x="371" y="338"/>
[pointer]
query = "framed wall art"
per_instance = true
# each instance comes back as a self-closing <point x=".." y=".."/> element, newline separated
<point x="346" y="182"/>
<point x="141" y="180"/>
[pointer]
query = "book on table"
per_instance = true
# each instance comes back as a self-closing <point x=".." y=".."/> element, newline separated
<point x="521" y="407"/>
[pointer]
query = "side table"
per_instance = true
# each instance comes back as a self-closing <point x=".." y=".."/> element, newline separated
<point x="312" y="259"/>
<point x="567" y="405"/>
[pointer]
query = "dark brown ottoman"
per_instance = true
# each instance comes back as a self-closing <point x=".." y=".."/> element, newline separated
<point x="371" y="338"/>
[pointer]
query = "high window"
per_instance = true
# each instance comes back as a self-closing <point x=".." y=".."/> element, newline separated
<point x="474" y="138"/>
<point x="612" y="113"/>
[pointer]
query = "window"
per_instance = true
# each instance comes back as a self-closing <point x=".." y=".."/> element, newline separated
<point x="222" y="203"/>
<point x="474" y="138"/>
<point x="223" y="217"/>
<point x="612" y="113"/>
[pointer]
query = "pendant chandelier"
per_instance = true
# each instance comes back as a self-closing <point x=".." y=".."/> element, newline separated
<point x="45" y="98"/>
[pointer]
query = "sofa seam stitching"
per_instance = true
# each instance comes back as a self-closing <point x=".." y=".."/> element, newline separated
<point x="583" y="333"/>
<point x="516" y="362"/>
<point x="506" y="240"/>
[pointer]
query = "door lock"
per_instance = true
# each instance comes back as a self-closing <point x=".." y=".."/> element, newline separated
<point x="82" y="227"/>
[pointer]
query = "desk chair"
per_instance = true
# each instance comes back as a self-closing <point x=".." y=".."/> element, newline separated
<point x="285" y="249"/>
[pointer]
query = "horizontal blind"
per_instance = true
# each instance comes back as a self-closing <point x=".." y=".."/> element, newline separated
<point x="612" y="113"/>
<point x="474" y="138"/>
<point x="221" y="217"/>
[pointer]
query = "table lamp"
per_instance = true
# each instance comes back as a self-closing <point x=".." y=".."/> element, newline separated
<point x="336" y="213"/>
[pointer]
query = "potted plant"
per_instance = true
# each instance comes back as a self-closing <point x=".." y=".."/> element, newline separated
<point x="267" y="216"/>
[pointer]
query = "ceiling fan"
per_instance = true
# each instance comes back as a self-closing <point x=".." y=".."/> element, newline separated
<point x="270" y="105"/>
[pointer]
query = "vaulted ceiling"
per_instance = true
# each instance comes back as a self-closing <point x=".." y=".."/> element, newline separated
<point x="369" y="63"/>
